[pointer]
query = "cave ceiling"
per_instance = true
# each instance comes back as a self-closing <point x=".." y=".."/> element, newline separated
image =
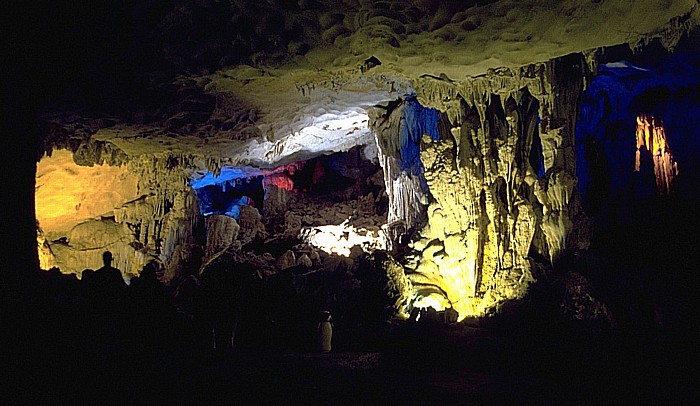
<point x="267" y="82"/>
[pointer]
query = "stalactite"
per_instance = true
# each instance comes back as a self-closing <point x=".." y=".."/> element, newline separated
<point x="668" y="34"/>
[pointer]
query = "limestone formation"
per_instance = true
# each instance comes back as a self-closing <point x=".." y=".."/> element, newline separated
<point x="151" y="225"/>
<point x="251" y="225"/>
<point x="305" y="261"/>
<point x="652" y="138"/>
<point x="185" y="261"/>
<point x="498" y="183"/>
<point x="275" y="203"/>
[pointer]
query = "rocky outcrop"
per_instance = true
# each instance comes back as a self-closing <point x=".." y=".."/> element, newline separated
<point x="185" y="261"/>
<point x="251" y="224"/>
<point x="87" y="242"/>
<point x="222" y="233"/>
<point x="287" y="260"/>
<point x="275" y="202"/>
<point x="151" y="226"/>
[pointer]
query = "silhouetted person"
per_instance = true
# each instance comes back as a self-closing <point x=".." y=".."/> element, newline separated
<point x="111" y="299"/>
<point x="415" y="313"/>
<point x="146" y="285"/>
<point x="88" y="278"/>
<point x="110" y="277"/>
<point x="429" y="315"/>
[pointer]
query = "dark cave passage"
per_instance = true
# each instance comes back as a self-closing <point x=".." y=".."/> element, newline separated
<point x="637" y="168"/>
<point x="227" y="197"/>
<point x="616" y="106"/>
<point x="323" y="177"/>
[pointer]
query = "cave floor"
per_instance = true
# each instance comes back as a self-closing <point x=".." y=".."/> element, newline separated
<point x="52" y="352"/>
<point x="51" y="359"/>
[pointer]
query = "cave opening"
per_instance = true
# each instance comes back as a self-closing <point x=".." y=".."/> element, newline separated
<point x="330" y="201"/>
<point x="322" y="176"/>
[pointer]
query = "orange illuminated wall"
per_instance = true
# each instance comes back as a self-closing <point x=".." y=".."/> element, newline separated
<point x="651" y="139"/>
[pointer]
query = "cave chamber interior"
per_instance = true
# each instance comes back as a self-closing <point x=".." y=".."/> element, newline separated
<point x="513" y="224"/>
<point x="390" y="191"/>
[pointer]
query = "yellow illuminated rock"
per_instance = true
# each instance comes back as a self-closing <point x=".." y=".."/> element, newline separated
<point x="67" y="194"/>
<point x="488" y="208"/>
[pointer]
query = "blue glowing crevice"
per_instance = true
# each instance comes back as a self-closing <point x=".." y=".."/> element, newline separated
<point x="418" y="120"/>
<point x="536" y="152"/>
<point x="233" y="209"/>
<point x="226" y="193"/>
<point x="228" y="173"/>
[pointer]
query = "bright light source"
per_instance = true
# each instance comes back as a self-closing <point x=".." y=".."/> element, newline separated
<point x="330" y="132"/>
<point x="434" y="300"/>
<point x="339" y="239"/>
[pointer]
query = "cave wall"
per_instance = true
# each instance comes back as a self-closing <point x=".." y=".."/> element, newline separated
<point x="155" y="216"/>
<point x="159" y="215"/>
<point x="480" y="174"/>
